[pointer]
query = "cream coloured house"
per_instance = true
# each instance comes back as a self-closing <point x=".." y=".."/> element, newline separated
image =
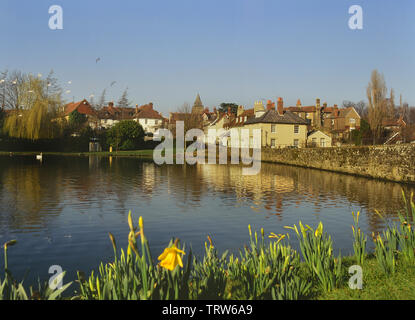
<point x="316" y="138"/>
<point x="279" y="128"/>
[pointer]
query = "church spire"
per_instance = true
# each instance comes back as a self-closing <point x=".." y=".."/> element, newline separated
<point x="198" y="105"/>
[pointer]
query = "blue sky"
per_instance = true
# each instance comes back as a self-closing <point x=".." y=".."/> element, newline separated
<point x="228" y="51"/>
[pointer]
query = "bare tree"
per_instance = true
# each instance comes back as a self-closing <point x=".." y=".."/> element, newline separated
<point x="411" y="115"/>
<point x="191" y="120"/>
<point x="360" y="107"/>
<point x="390" y="105"/>
<point x="376" y="94"/>
<point x="11" y="88"/>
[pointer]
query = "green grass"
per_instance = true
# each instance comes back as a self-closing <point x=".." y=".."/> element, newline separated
<point x="376" y="284"/>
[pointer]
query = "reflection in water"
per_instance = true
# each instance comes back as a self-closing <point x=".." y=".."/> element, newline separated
<point x="60" y="208"/>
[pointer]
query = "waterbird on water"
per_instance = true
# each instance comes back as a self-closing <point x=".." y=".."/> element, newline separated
<point x="39" y="156"/>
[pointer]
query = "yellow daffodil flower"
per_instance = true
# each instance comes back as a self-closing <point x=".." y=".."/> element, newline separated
<point x="170" y="258"/>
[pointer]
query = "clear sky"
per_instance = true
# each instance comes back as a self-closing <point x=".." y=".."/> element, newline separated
<point x="238" y="51"/>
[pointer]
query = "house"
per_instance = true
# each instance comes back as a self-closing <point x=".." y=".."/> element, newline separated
<point x="395" y="130"/>
<point x="341" y="122"/>
<point x="221" y="121"/>
<point x="310" y="113"/>
<point x="317" y="138"/>
<point x="150" y="119"/>
<point x="83" y="107"/>
<point x="110" y="115"/>
<point x="279" y="128"/>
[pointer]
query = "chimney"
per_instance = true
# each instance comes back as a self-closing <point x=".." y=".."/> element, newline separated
<point x="259" y="109"/>
<point x="111" y="104"/>
<point x="151" y="105"/>
<point x="136" y="108"/>
<point x="240" y="110"/>
<point x="325" y="105"/>
<point x="270" y="105"/>
<point x="298" y="103"/>
<point x="280" y="106"/>
<point x="317" y="103"/>
<point x="335" y="106"/>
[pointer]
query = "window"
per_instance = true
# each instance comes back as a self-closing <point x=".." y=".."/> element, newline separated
<point x="272" y="143"/>
<point x="322" y="142"/>
<point x="273" y="128"/>
<point x="352" y="120"/>
<point x="295" y="142"/>
<point x="296" y="129"/>
<point x="314" y="142"/>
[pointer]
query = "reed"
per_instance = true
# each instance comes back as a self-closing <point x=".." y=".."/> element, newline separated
<point x="360" y="240"/>
<point x="317" y="250"/>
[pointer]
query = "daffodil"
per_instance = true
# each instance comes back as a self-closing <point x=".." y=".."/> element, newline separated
<point x="210" y="241"/>
<point x="319" y="230"/>
<point x="277" y="236"/>
<point x="9" y="244"/>
<point x="170" y="258"/>
<point x="114" y="244"/>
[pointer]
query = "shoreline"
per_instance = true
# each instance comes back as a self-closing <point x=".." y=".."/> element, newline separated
<point x="268" y="156"/>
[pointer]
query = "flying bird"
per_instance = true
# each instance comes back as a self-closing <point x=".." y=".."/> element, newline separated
<point x="97" y="59"/>
<point x="112" y="83"/>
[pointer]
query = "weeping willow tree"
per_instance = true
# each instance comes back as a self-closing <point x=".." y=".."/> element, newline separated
<point x="36" y="114"/>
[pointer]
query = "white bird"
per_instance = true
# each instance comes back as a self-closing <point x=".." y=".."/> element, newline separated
<point x="39" y="156"/>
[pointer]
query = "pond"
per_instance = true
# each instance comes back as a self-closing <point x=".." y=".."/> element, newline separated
<point x="60" y="210"/>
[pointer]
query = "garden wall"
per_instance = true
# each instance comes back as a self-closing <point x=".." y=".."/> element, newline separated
<point x="393" y="162"/>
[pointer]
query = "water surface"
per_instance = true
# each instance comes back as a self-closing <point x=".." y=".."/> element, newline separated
<point x="62" y="209"/>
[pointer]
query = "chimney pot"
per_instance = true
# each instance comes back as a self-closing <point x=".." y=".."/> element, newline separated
<point x="280" y="106"/>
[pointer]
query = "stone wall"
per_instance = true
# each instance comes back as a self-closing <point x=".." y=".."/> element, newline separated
<point x="394" y="162"/>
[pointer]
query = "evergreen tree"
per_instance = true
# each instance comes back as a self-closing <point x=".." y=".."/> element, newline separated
<point x="123" y="102"/>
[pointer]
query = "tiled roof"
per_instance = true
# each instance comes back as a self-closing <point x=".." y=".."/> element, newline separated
<point x="147" y="113"/>
<point x="239" y="121"/>
<point x="272" y="116"/>
<point x="177" y="116"/>
<point x="394" y="122"/>
<point x="301" y="109"/>
<point x="116" y="113"/>
<point x="82" y="107"/>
